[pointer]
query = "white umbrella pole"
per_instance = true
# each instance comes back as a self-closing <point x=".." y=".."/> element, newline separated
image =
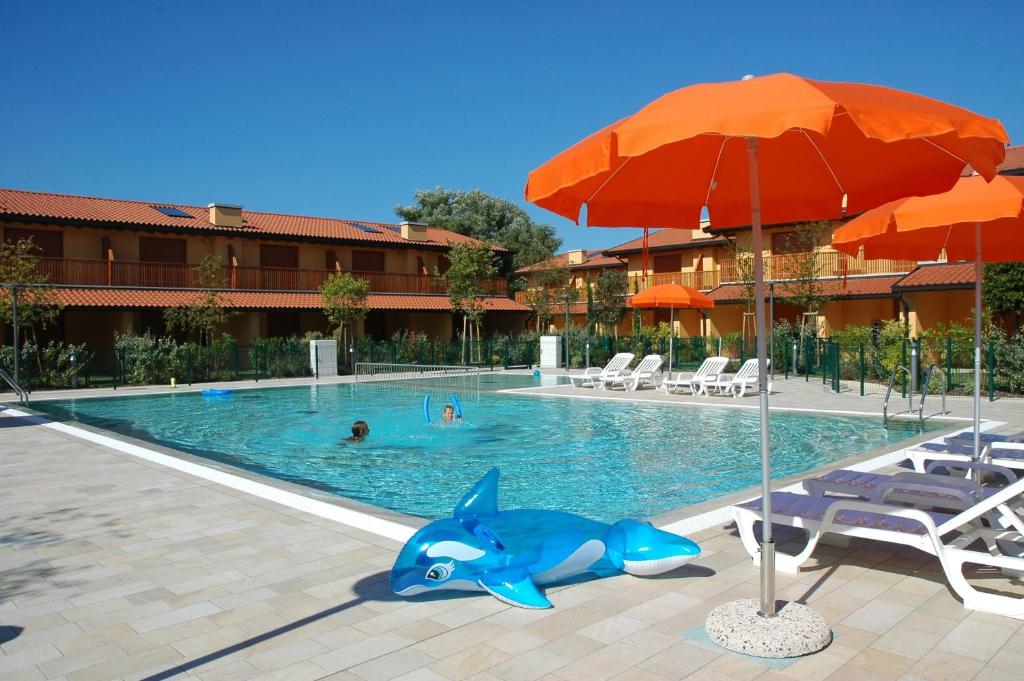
<point x="977" y="341"/>
<point x="671" y="336"/>
<point x="767" y="543"/>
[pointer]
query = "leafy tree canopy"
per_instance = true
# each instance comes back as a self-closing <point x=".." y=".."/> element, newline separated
<point x="482" y="216"/>
<point x="344" y="299"/>
<point x="609" y="299"/>
<point x="1004" y="289"/>
<point x="37" y="305"/>
<point x="207" y="313"/>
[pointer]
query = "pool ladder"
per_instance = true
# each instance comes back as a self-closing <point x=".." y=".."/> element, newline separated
<point x="18" y="390"/>
<point x="910" y="393"/>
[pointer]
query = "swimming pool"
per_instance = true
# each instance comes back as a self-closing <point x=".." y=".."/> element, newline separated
<point x="604" y="459"/>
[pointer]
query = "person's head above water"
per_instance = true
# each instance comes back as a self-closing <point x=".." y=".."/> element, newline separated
<point x="449" y="413"/>
<point x="360" y="429"/>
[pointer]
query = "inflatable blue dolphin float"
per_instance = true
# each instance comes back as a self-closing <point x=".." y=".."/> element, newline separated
<point x="508" y="554"/>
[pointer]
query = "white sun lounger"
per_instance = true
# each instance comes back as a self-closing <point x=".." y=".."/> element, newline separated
<point x="948" y="537"/>
<point x="737" y="385"/>
<point x="1006" y="454"/>
<point x="595" y="376"/>
<point x="644" y="373"/>
<point x="709" y="370"/>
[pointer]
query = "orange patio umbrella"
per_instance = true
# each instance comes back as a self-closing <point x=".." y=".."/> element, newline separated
<point x="773" y="149"/>
<point x="673" y="297"/>
<point x="975" y="220"/>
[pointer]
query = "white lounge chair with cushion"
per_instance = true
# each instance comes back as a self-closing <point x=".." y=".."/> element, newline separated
<point x="1005" y="454"/>
<point x="737" y="386"/>
<point x="646" y="372"/>
<point x="956" y="540"/>
<point x="709" y="370"/>
<point x="595" y="376"/>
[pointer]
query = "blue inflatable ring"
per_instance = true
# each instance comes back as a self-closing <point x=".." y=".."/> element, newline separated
<point x="216" y="392"/>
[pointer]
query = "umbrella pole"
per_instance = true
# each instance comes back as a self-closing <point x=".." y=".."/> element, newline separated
<point x="671" y="336"/>
<point x="977" y="344"/>
<point x="767" y="542"/>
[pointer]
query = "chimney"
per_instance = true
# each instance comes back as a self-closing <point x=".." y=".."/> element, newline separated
<point x="414" y="231"/>
<point x="577" y="257"/>
<point x="225" y="215"/>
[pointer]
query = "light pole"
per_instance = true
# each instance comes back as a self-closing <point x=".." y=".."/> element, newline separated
<point x="566" y="298"/>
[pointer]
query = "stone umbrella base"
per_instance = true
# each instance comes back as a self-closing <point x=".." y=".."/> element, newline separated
<point x="796" y="630"/>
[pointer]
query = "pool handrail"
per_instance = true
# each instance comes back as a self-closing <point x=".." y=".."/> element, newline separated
<point x="18" y="390"/>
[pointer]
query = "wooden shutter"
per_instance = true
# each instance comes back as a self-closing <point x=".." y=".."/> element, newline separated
<point x="368" y="261"/>
<point x="668" y="263"/>
<point x="279" y="256"/>
<point x="49" y="244"/>
<point x="161" y="250"/>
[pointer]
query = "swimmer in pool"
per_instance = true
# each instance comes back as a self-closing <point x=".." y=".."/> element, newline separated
<point x="360" y="429"/>
<point x="449" y="414"/>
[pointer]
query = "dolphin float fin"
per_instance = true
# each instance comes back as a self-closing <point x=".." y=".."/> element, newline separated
<point x="639" y="549"/>
<point x="514" y="586"/>
<point x="481" y="500"/>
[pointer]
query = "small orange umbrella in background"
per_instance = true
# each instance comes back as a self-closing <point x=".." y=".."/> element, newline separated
<point x="674" y="297"/>
<point x="773" y="149"/>
<point x="975" y="220"/>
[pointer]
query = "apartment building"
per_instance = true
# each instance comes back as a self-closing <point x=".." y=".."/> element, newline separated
<point x="860" y="292"/>
<point x="118" y="264"/>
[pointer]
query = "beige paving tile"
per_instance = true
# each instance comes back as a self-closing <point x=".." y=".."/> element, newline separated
<point x="392" y="665"/>
<point x="474" y="660"/>
<point x="975" y="640"/>
<point x="943" y="666"/>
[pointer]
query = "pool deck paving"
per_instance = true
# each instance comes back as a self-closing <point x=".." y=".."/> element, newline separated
<point x="115" y="567"/>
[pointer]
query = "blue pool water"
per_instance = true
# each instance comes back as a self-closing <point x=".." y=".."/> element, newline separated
<point x="600" y="458"/>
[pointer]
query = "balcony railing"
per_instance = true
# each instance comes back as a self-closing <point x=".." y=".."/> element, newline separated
<point x="77" y="272"/>
<point x="703" y="281"/>
<point x="827" y="264"/>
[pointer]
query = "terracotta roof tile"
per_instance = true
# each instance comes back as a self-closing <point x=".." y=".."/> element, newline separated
<point x="260" y="300"/>
<point x="851" y="287"/>
<point x="665" y="239"/>
<point x="946" y="275"/>
<point x="594" y="259"/>
<point x="87" y="209"/>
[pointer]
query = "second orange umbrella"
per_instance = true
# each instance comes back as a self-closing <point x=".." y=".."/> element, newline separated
<point x="975" y="220"/>
<point x="673" y="297"/>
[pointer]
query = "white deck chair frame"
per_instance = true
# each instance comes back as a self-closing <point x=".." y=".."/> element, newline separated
<point x="631" y="379"/>
<point x="1006" y="454"/>
<point x="709" y="370"/>
<point x="595" y="376"/>
<point x="738" y="384"/>
<point x="964" y="529"/>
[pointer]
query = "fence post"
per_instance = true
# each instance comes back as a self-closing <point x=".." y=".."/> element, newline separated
<point x="903" y="362"/>
<point x="862" y="370"/>
<point x="316" y="362"/>
<point x="949" y="363"/>
<point x="117" y="367"/>
<point x="991" y="373"/>
<point x="254" y="352"/>
<point x="835" y="380"/>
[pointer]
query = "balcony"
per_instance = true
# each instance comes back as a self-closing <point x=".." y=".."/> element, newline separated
<point x="76" y="272"/>
<point x="702" y="281"/>
<point x="828" y="264"/>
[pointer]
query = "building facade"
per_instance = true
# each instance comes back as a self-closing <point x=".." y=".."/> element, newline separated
<point x="116" y="265"/>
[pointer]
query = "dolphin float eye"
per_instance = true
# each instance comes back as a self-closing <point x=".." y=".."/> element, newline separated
<point x="439" y="572"/>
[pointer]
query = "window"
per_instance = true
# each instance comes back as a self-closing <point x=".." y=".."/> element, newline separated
<point x="48" y="244"/>
<point x="668" y="263"/>
<point x="784" y="243"/>
<point x="331" y="261"/>
<point x="368" y="261"/>
<point x="443" y="264"/>
<point x="152" y="249"/>
<point x="279" y="256"/>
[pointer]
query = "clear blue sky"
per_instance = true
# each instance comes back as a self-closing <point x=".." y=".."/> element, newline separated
<point x="343" y="109"/>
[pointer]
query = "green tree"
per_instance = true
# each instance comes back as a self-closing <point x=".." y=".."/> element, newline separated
<point x="590" y="306"/>
<point x="804" y="268"/>
<point x="208" y="312"/>
<point x="1004" y="290"/>
<point x="609" y="299"/>
<point x="743" y="261"/>
<point x="344" y="301"/>
<point x="545" y="291"/>
<point x="485" y="217"/>
<point x="37" y="304"/>
<point x="467" y="280"/>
